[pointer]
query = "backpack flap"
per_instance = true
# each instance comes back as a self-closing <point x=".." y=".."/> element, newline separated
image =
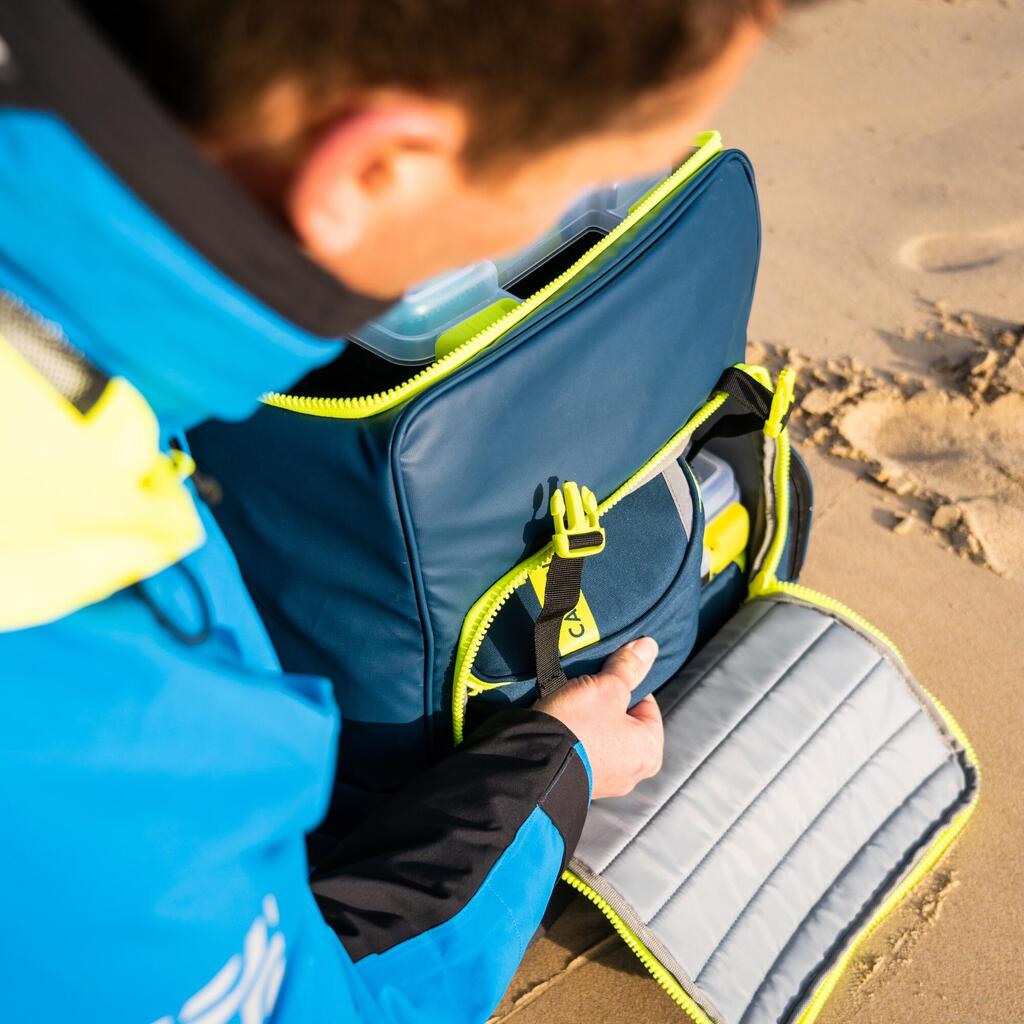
<point x="808" y="780"/>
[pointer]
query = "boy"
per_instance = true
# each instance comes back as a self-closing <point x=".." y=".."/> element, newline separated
<point x="158" y="769"/>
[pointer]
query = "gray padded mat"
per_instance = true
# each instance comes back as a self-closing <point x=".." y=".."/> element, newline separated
<point x="804" y="773"/>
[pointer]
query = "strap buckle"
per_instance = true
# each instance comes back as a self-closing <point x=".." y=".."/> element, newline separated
<point x="782" y="402"/>
<point x="578" y="532"/>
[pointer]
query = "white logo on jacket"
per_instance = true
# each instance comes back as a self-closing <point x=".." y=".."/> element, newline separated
<point x="245" y="988"/>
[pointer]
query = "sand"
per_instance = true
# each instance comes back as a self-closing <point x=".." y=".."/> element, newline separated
<point x="888" y="137"/>
<point x="950" y="443"/>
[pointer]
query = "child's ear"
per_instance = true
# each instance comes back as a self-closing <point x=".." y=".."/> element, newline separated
<point x="391" y="158"/>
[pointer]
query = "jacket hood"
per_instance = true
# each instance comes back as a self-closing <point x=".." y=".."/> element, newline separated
<point x="115" y="227"/>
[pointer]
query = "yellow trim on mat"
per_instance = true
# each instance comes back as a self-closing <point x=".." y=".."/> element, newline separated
<point x="661" y="975"/>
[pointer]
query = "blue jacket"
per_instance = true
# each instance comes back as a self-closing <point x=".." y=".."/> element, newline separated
<point x="158" y="771"/>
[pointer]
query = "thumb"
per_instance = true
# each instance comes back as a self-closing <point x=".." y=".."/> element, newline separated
<point x="647" y="712"/>
<point x="631" y="663"/>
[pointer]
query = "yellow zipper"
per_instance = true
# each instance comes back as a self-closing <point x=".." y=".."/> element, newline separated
<point x="765" y="580"/>
<point x="483" y="613"/>
<point x="827" y="985"/>
<point x="661" y="975"/>
<point x="709" y="145"/>
<point x="830" y="604"/>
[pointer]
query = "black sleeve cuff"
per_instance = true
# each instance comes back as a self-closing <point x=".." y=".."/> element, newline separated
<point x="567" y="798"/>
<point x="419" y="859"/>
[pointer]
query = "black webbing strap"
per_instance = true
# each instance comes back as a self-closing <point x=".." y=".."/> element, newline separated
<point x="746" y="410"/>
<point x="561" y="595"/>
<point x="749" y="393"/>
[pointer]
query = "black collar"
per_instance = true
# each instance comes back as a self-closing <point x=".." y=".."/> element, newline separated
<point x="55" y="61"/>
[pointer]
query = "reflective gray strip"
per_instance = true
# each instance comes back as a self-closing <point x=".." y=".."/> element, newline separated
<point x="654" y="945"/>
<point x="43" y="345"/>
<point x="679" y="488"/>
<point x="769" y="448"/>
<point x="676" y="452"/>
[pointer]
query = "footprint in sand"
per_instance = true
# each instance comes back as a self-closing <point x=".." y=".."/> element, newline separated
<point x="951" y="444"/>
<point x="972" y="456"/>
<point x="947" y="252"/>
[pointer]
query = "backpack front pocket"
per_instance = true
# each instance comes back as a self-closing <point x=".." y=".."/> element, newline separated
<point x="646" y="582"/>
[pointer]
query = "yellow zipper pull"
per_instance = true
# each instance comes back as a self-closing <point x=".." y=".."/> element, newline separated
<point x="782" y="402"/>
<point x="759" y="373"/>
<point x="578" y="531"/>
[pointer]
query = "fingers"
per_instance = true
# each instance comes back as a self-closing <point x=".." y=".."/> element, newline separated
<point x="647" y="714"/>
<point x="647" y="711"/>
<point x="630" y="664"/>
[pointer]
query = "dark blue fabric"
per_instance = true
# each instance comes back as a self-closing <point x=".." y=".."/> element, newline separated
<point x="366" y="542"/>
<point x="309" y="506"/>
<point x="719" y="599"/>
<point x="671" y="617"/>
<point x="645" y="546"/>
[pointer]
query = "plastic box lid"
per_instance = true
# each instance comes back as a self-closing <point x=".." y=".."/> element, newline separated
<point x="408" y="331"/>
<point x="717" y="482"/>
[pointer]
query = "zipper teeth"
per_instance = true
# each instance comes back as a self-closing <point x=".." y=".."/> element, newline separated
<point x="671" y="448"/>
<point x="924" y="867"/>
<point x="492" y="603"/>
<point x="784" y="456"/>
<point x="824" y="601"/>
<point x="709" y="145"/>
<point x="481" y="617"/>
<point x="954" y="728"/>
<point x="931" y="858"/>
<point x="663" y="977"/>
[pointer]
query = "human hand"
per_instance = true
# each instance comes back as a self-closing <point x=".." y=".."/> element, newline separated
<point x="624" y="744"/>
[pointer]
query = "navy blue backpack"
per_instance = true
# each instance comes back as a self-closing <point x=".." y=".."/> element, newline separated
<point x="373" y="531"/>
<point x="583" y="463"/>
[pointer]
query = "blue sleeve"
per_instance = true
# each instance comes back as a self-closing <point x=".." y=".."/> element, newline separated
<point x="156" y="797"/>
